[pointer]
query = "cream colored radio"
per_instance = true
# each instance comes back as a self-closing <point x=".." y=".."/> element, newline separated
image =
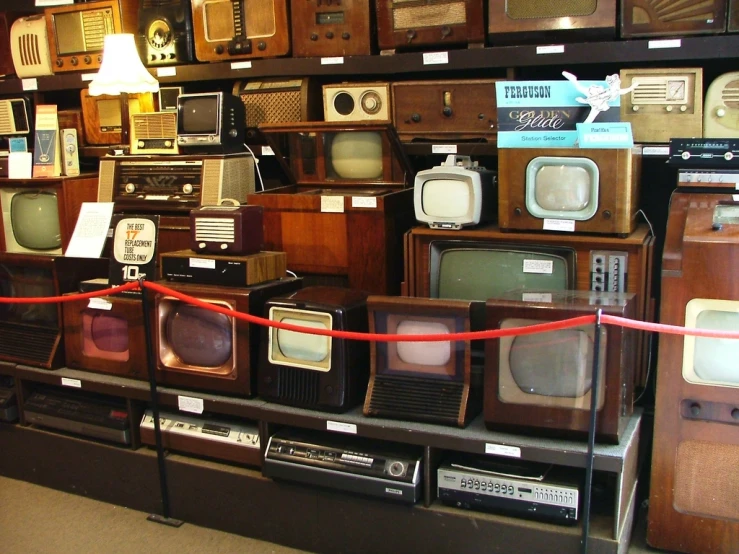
<point x="29" y="46"/>
<point x="721" y="110"/>
<point x="154" y="133"/>
<point x="357" y="102"/>
<point x="666" y="103"/>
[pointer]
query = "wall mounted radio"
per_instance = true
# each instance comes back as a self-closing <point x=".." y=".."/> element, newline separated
<point x="154" y="133"/>
<point x="445" y="110"/>
<point x="165" y="32"/>
<point x="356" y="102"/>
<point x="237" y="29"/>
<point x="278" y="100"/>
<point x="77" y="32"/>
<point x="409" y="24"/>
<point x="323" y="28"/>
<point x="521" y="20"/>
<point x="29" y="46"/>
<point x="640" y="18"/>
<point x="721" y="109"/>
<point x="102" y="115"/>
<point x="174" y="183"/>
<point x="227" y="229"/>
<point x="665" y="103"/>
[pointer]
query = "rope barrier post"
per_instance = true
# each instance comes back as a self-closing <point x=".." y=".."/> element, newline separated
<point x="151" y="366"/>
<point x="591" y="436"/>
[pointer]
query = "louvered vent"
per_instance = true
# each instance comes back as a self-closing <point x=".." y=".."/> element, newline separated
<point x="427" y="399"/>
<point x="6" y="119"/>
<point x="31" y="345"/>
<point x="155" y="125"/>
<point x="97" y="24"/>
<point x="730" y="95"/>
<point x="649" y="91"/>
<point x="29" y="50"/>
<point x="215" y="229"/>
<point x="298" y="386"/>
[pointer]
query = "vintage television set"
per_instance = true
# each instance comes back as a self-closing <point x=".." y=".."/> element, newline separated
<point x="455" y="194"/>
<point x="165" y="32"/>
<point x="16" y="119"/>
<point x="102" y="115"/>
<point x="39" y="215"/>
<point x="721" y="111"/>
<point x="327" y="29"/>
<point x="201" y="349"/>
<point x="641" y="18"/>
<point x="587" y="190"/>
<point x="416" y="24"/>
<point x="210" y="122"/>
<point x="537" y="20"/>
<point x="32" y="333"/>
<point x="542" y="383"/>
<point x="240" y="29"/>
<point x="29" y="47"/>
<point x="315" y="371"/>
<point x="106" y="335"/>
<point x="692" y="504"/>
<point x="416" y="380"/>
<point x="77" y="32"/>
<point x="348" y="207"/>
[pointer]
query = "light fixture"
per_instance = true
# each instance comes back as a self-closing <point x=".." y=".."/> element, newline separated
<point x="122" y="73"/>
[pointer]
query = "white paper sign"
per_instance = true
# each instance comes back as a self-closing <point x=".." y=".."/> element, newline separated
<point x="241" y="65"/>
<point x="88" y="76"/>
<point x="20" y="165"/>
<point x="364" y="202"/>
<point x="202" y="263"/>
<point x="74" y="383"/>
<point x="551" y="49"/>
<point x="435" y="58"/>
<point x="536" y="297"/>
<point x="267" y="151"/>
<point x="190" y="404"/>
<point x="567" y="225"/>
<point x="443" y="148"/>
<point x="29" y="84"/>
<point x="332" y="204"/>
<point x="338" y="60"/>
<point x="538" y="266"/>
<point x="90" y="231"/>
<point x="341" y="427"/>
<point x="166" y="71"/>
<point x="656" y="151"/>
<point x="668" y="43"/>
<point x="100" y="304"/>
<point x="502" y="450"/>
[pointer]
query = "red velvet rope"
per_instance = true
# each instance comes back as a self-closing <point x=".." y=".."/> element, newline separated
<point x="473" y="335"/>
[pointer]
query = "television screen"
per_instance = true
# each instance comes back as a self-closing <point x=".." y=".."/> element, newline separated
<point x="711" y="361"/>
<point x="295" y="349"/>
<point x="446" y="198"/>
<point x="197" y="338"/>
<point x="354" y="155"/>
<point x="104" y="336"/>
<point x="562" y="188"/>
<point x="34" y="217"/>
<point x="198" y="115"/>
<point x="478" y="271"/>
<point x="28" y="282"/>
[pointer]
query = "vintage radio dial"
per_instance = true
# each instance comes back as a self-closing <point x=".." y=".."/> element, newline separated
<point x="371" y="102"/>
<point x="130" y="188"/>
<point x="159" y="33"/>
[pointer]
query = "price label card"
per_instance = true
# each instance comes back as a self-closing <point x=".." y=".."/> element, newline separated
<point x="536" y="296"/>
<point x="88" y="76"/>
<point x="565" y="225"/>
<point x="332" y="204"/>
<point x="544" y="267"/>
<point x="551" y="49"/>
<point x="668" y="43"/>
<point x="29" y="84"/>
<point x="656" y="151"/>
<point x="267" y="151"/>
<point x="340" y="427"/>
<point x="337" y="60"/>
<point x="166" y="71"/>
<point x="74" y="383"/>
<point x="100" y="304"/>
<point x="364" y="202"/>
<point x="202" y="263"/>
<point x="190" y="404"/>
<point x="241" y="65"/>
<point x="435" y="58"/>
<point x="443" y="148"/>
<point x="502" y="450"/>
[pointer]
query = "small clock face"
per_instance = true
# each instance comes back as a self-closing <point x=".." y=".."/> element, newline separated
<point x="70" y="139"/>
<point x="676" y="90"/>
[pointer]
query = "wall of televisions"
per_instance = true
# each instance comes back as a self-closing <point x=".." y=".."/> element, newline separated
<point x="333" y="165"/>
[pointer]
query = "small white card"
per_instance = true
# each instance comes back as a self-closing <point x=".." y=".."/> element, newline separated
<point x="336" y="60"/>
<point x="545" y="267"/>
<point x="665" y="43"/>
<point x="100" y="304"/>
<point x="435" y="58"/>
<point x="267" y="151"/>
<point x="88" y="76"/>
<point x="20" y="165"/>
<point x="241" y="65"/>
<point x="74" y="383"/>
<point x="29" y="84"/>
<point x="503" y="450"/>
<point x="190" y="404"/>
<point x="166" y="71"/>
<point x="91" y="230"/>
<point x="567" y="225"/>
<point x="340" y="427"/>
<point x="364" y="202"/>
<point x="202" y="263"/>
<point x="551" y="49"/>
<point x="536" y="297"/>
<point x="332" y="204"/>
<point x="656" y="151"/>
<point x="443" y="148"/>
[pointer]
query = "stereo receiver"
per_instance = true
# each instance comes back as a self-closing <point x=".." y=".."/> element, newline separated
<point x="29" y="47"/>
<point x="332" y="28"/>
<point x="165" y="32"/>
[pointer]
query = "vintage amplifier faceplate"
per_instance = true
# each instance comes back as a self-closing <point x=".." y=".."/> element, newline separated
<point x="704" y="153"/>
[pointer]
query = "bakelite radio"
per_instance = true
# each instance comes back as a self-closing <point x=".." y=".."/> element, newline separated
<point x="421" y="381"/>
<point x="665" y="103"/>
<point x="102" y="115"/>
<point x="315" y="371"/>
<point x="543" y="382"/>
<point x="414" y="24"/>
<point x="29" y="47"/>
<point x="588" y="190"/>
<point x="237" y="230"/>
<point x="721" y="110"/>
<point x="522" y="20"/>
<point x="356" y="102"/>
<point x="240" y="29"/>
<point x="445" y="110"/>
<point x="641" y="18"/>
<point x="693" y="502"/>
<point x="349" y="206"/>
<point x="77" y="32"/>
<point x="327" y="29"/>
<point x="165" y="32"/>
<point x="201" y="349"/>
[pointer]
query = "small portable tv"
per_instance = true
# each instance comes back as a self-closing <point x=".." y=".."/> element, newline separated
<point x="315" y="371"/>
<point x="455" y="194"/>
<point x="585" y="190"/>
<point x="542" y="382"/>
<point x="202" y="349"/>
<point x="106" y="335"/>
<point x="417" y="380"/>
<point x="210" y="122"/>
<point x="227" y="229"/>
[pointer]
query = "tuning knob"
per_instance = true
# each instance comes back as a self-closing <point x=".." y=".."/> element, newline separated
<point x="634" y="108"/>
<point x="415" y="118"/>
<point x="720" y="112"/>
<point x="668" y="108"/>
<point x="130" y="188"/>
<point x="187" y="188"/>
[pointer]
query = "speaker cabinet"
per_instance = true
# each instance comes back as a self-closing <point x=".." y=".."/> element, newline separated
<point x="694" y="496"/>
<point x="641" y="18"/>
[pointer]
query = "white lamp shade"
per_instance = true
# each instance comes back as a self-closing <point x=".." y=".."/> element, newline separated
<point x="122" y="70"/>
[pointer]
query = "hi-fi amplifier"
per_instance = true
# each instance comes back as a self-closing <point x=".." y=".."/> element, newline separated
<point x="705" y="153"/>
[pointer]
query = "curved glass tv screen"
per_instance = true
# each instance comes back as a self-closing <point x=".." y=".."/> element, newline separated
<point x="104" y="336"/>
<point x="708" y="360"/>
<point x="34" y="217"/>
<point x="28" y="282"/>
<point x="447" y="198"/>
<point x="199" y="337"/>
<point x="354" y="155"/>
<point x="303" y="350"/>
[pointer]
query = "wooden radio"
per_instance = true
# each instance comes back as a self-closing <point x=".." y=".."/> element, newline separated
<point x="641" y="18"/>
<point x="693" y="502"/>
<point x="348" y="207"/>
<point x="102" y="115"/>
<point x="409" y="24"/>
<point x="29" y="46"/>
<point x="154" y="133"/>
<point x="517" y="20"/>
<point x="733" y="17"/>
<point x="665" y="103"/>
<point x="721" y="109"/>
<point x="585" y="190"/>
<point x="238" y="29"/>
<point x="165" y="32"/>
<point x="356" y="102"/>
<point x="446" y="110"/>
<point x="77" y="32"/>
<point x="332" y="28"/>
<point x="279" y="100"/>
<point x="235" y="230"/>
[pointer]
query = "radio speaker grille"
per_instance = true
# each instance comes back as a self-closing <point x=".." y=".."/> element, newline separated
<point x="645" y="12"/>
<point x="430" y="15"/>
<point x="730" y="95"/>
<point x="215" y="229"/>
<point x="541" y="9"/>
<point x="155" y="126"/>
<point x="705" y="479"/>
<point x="6" y="119"/>
<point x="106" y="180"/>
<point x="272" y="107"/>
<point x="418" y="398"/>
<point x="29" y="344"/>
<point x="230" y="178"/>
<point x="298" y="386"/>
<point x="29" y="50"/>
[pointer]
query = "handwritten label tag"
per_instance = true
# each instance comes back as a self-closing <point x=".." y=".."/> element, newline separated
<point x="166" y="71"/>
<point x="565" y="225"/>
<point x="190" y="404"/>
<point x="202" y="263"/>
<point x="100" y="304"/>
<point x="332" y="204"/>
<point x="551" y="49"/>
<point x="267" y="151"/>
<point x="74" y="383"/>
<point x="88" y="76"/>
<point x="443" y="148"/>
<point x="435" y="58"/>
<point x="545" y="267"/>
<point x="502" y="450"/>
<point x="241" y="65"/>
<point x="666" y="43"/>
<point x="656" y="151"/>
<point x="340" y="427"/>
<point x="337" y="60"/>
<point x="364" y="202"/>
<point x="29" y="84"/>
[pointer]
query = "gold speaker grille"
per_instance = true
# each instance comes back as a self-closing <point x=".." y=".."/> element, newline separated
<point x="430" y="16"/>
<point x="706" y="479"/>
<point x="272" y="107"/>
<point x="542" y="9"/>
